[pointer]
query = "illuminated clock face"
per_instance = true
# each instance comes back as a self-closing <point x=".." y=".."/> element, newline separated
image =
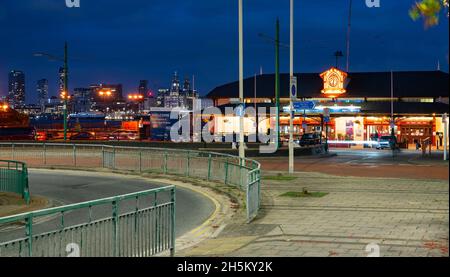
<point x="334" y="80"/>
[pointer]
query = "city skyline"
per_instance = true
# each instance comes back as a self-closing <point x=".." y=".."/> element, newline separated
<point x="191" y="29"/>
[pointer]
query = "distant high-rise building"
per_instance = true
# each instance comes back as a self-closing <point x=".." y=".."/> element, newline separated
<point x="143" y="87"/>
<point x="186" y="86"/>
<point x="42" y="93"/>
<point x="161" y="97"/>
<point x="62" y="76"/>
<point x="82" y="100"/>
<point x="16" y="88"/>
<point x="107" y="97"/>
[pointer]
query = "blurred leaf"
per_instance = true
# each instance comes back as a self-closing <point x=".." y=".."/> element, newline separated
<point x="429" y="10"/>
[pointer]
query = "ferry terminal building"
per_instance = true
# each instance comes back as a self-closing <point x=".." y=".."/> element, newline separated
<point x="359" y="104"/>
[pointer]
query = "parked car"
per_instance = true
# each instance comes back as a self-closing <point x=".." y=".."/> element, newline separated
<point x="387" y="142"/>
<point x="123" y="135"/>
<point x="82" y="136"/>
<point x="309" y="139"/>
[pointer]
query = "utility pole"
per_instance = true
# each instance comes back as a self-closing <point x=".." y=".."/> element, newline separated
<point x="291" y="109"/>
<point x="66" y="88"/>
<point x="241" y="85"/>
<point x="277" y="81"/>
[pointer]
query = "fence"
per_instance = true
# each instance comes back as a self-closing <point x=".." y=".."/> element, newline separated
<point x="230" y="170"/>
<point x="134" y="225"/>
<point x="14" y="178"/>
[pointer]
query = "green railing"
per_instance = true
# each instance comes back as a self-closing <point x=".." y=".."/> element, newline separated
<point x="227" y="169"/>
<point x="14" y="178"/>
<point x="139" y="224"/>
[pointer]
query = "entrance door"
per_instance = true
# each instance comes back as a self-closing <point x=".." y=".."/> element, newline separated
<point x="416" y="133"/>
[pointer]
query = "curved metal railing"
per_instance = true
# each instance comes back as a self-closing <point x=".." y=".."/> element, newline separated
<point x="14" y="178"/>
<point x="230" y="170"/>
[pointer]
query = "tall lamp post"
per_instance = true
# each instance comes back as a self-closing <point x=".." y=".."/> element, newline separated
<point x="241" y="85"/>
<point x="291" y="110"/>
<point x="65" y="93"/>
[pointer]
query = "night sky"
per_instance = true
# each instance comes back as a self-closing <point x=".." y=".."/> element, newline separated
<point x="113" y="41"/>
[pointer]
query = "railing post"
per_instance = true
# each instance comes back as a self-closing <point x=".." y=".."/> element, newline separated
<point x="165" y="162"/>
<point x="103" y="156"/>
<point x="29" y="233"/>
<point x="173" y="219"/>
<point x="114" y="158"/>
<point x="188" y="161"/>
<point x="74" y="155"/>
<point x="45" y="153"/>
<point x="209" y="167"/>
<point x="13" y="149"/>
<point x="25" y="186"/>
<point x="115" y="216"/>
<point x="226" y="172"/>
<point x="140" y="160"/>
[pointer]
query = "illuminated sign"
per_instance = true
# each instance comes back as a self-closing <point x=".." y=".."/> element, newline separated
<point x="333" y="82"/>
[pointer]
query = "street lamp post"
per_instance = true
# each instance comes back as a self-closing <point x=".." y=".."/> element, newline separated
<point x="66" y="89"/>
<point x="241" y="85"/>
<point x="291" y="127"/>
<point x="65" y="93"/>
<point x="277" y="82"/>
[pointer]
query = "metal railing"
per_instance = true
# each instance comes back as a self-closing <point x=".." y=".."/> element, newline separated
<point x="14" y="178"/>
<point x="230" y="170"/>
<point x="139" y="224"/>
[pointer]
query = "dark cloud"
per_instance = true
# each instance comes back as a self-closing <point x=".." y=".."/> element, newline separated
<point x="125" y="41"/>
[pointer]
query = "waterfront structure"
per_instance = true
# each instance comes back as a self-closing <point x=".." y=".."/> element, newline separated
<point x="360" y="105"/>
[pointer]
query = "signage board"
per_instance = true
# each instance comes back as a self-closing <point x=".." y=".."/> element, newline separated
<point x="293" y="88"/>
<point x="304" y="105"/>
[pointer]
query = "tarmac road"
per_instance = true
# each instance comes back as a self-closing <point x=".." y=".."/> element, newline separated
<point x="68" y="187"/>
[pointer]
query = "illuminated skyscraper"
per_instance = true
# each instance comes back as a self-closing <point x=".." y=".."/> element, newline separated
<point x="16" y="88"/>
<point x="42" y="93"/>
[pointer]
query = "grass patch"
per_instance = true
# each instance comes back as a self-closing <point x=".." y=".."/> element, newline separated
<point x="280" y="178"/>
<point x="296" y="194"/>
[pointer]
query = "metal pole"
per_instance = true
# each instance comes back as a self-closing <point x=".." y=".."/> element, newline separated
<point x="291" y="127"/>
<point x="241" y="84"/>
<point x="392" y="100"/>
<point x="348" y="35"/>
<point x="66" y="90"/>
<point x="445" y="136"/>
<point x="277" y="81"/>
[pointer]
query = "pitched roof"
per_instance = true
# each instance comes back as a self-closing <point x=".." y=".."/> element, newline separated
<point x="431" y="84"/>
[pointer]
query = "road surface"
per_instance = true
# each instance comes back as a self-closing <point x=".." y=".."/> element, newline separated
<point x="68" y="187"/>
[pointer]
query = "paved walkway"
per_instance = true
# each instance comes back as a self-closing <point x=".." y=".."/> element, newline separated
<point x="403" y="217"/>
<point x="367" y="163"/>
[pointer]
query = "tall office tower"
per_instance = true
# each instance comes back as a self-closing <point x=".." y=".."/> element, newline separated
<point x="186" y="85"/>
<point x="16" y="88"/>
<point x="82" y="100"/>
<point x="143" y="88"/>
<point x="42" y="93"/>
<point x="61" y="80"/>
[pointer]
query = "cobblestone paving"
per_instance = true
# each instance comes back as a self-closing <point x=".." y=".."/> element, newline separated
<point x="405" y="218"/>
